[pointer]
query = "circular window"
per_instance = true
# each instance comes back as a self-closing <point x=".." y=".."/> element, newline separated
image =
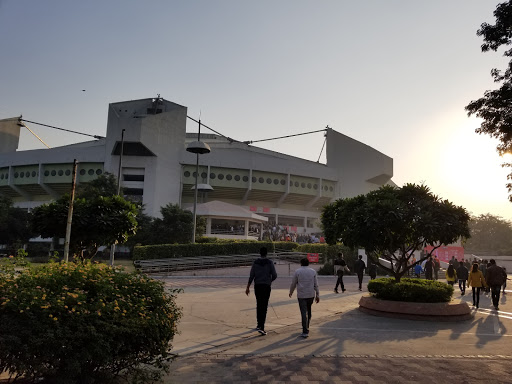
<point x="296" y="184"/>
<point x="221" y="176"/>
<point x="253" y="179"/>
<point x="309" y="185"/>
<point x="303" y="185"/>
<point x="261" y="180"/>
<point x="34" y="174"/>
<point x="186" y="174"/>
<point x="326" y="188"/>
<point x="27" y="174"/>
<point x="315" y="186"/>
<point x="22" y="174"/>
<point x="68" y="172"/>
<point x="291" y="183"/>
<point x="237" y="177"/>
<point x="283" y="181"/>
<point x="245" y="178"/>
<point x="203" y="175"/>
<point x="229" y="177"/>
<point x="61" y="172"/>
<point x="2" y="176"/>
<point x="276" y="181"/>
<point x="269" y="180"/>
<point x="16" y="174"/>
<point x="47" y="173"/>
<point x="99" y="171"/>
<point x="194" y="174"/>
<point x="90" y="172"/>
<point x="212" y="175"/>
<point x="53" y="173"/>
<point x="82" y="172"/>
<point x="331" y="189"/>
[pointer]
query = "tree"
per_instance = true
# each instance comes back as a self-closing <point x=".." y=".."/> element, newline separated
<point x="14" y="223"/>
<point x="490" y="233"/>
<point x="175" y="226"/>
<point x="96" y="222"/>
<point x="495" y="107"/>
<point x="391" y="223"/>
<point x="105" y="185"/>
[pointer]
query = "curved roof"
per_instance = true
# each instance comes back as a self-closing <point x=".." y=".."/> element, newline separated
<point x="220" y="209"/>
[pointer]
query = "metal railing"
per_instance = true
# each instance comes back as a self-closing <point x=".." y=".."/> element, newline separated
<point x="210" y="262"/>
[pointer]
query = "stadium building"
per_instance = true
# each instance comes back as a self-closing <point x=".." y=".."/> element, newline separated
<point x="270" y="187"/>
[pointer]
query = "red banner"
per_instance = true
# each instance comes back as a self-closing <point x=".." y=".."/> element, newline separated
<point x="252" y="209"/>
<point x="266" y="209"/>
<point x="313" y="257"/>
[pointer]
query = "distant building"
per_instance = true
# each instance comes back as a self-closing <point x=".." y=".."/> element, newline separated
<point x="158" y="170"/>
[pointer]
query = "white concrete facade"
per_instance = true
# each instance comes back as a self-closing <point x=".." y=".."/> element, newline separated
<point x="158" y="170"/>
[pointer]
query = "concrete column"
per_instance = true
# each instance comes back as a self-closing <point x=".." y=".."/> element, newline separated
<point x="246" y="229"/>
<point x="208" y="225"/>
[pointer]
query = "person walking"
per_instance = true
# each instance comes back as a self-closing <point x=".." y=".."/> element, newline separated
<point x="476" y="281"/>
<point x="342" y="264"/>
<point x="462" y="275"/>
<point x="505" y="283"/>
<point x="372" y="270"/>
<point x="429" y="266"/>
<point x="418" y="270"/>
<point x="495" y="277"/>
<point x="359" y="267"/>
<point x="451" y="275"/>
<point x="437" y="267"/>
<point x="306" y="281"/>
<point x="263" y="273"/>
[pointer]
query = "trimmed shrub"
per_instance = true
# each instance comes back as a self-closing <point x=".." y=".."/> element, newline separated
<point x="238" y="247"/>
<point x="85" y="323"/>
<point x="412" y="290"/>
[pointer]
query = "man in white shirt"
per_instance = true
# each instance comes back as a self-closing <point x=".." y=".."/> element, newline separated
<point x="306" y="281"/>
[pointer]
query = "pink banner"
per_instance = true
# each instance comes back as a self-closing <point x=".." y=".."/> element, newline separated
<point x="313" y="257"/>
<point x="445" y="253"/>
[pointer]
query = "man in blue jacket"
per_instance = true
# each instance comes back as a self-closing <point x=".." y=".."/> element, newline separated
<point x="263" y="273"/>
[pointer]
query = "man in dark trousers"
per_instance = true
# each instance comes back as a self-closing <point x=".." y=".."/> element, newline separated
<point x="359" y="267"/>
<point x="462" y="275"/>
<point x="495" y="277"/>
<point x="263" y="273"/>
<point x="339" y="267"/>
<point x="429" y="266"/>
<point x="307" y="291"/>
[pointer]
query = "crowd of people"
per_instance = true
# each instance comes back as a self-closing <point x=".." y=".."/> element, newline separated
<point x="480" y="275"/>
<point x="274" y="232"/>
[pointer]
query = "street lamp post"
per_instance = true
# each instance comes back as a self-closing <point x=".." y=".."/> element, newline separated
<point x="199" y="148"/>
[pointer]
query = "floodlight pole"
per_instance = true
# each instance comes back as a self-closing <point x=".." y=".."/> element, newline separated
<point x="70" y="213"/>
<point x="120" y="169"/>
<point x="195" y="189"/>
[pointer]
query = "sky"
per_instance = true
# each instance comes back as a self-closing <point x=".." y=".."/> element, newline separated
<point x="393" y="74"/>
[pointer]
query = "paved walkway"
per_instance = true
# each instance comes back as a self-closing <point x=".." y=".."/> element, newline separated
<point x="218" y="343"/>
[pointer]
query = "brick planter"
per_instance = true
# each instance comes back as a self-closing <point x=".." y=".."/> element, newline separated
<point x="452" y="311"/>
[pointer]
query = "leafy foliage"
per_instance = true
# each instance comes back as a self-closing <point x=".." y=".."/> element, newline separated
<point x="97" y="221"/>
<point x="85" y="323"/>
<point x="14" y="223"/>
<point x="490" y="234"/>
<point x="390" y="223"/>
<point x="105" y="185"/>
<point x="411" y="290"/>
<point x="495" y="106"/>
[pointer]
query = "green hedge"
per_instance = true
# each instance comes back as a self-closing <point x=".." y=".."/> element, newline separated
<point x="243" y="247"/>
<point x="412" y="290"/>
